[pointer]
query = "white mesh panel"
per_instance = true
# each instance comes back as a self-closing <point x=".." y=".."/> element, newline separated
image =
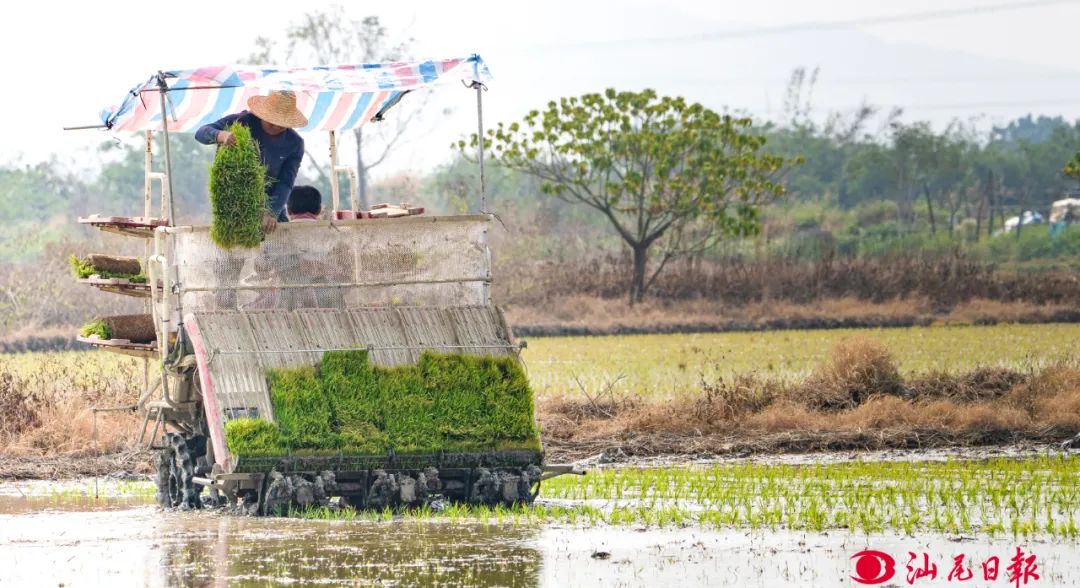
<point x="420" y="261"/>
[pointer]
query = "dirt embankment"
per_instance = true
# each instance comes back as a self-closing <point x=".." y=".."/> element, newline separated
<point x="581" y="315"/>
<point x="133" y="462"/>
<point x="945" y="280"/>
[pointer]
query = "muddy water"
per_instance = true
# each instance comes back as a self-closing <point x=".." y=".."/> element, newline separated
<point x="48" y="542"/>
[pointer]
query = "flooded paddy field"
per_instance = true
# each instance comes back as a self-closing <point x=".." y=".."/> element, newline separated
<point x="807" y="524"/>
<point x="144" y="547"/>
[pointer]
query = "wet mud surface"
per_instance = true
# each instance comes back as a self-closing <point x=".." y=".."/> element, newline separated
<point x="117" y="544"/>
<point x="107" y="532"/>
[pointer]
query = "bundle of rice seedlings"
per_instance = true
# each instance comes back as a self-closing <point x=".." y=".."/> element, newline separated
<point x="301" y="409"/>
<point x="351" y="388"/>
<point x="237" y="196"/>
<point x="259" y="438"/>
<point x="106" y="266"/>
<point x="447" y="402"/>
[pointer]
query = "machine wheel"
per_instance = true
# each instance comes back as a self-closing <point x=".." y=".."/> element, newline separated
<point x="176" y="487"/>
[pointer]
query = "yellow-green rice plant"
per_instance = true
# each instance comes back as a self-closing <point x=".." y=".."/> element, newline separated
<point x="96" y="327"/>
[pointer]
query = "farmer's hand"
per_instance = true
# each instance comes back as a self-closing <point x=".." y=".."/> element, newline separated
<point x="269" y="223"/>
<point x="226" y="138"/>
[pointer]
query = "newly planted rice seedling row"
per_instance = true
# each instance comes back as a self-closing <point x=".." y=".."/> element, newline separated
<point x="1037" y="496"/>
<point x="1030" y="497"/>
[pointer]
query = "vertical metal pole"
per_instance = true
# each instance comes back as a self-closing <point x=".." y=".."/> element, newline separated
<point x="148" y="197"/>
<point x="163" y="87"/>
<point x="480" y="141"/>
<point x="354" y="199"/>
<point x="148" y="164"/>
<point x="96" y="450"/>
<point x="334" y="190"/>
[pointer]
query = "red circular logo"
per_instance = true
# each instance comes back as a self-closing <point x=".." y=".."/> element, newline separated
<point x="873" y="567"/>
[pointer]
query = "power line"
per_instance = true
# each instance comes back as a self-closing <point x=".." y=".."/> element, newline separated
<point x="824" y="81"/>
<point x="832" y="25"/>
<point x="1002" y="104"/>
<point x="955" y="105"/>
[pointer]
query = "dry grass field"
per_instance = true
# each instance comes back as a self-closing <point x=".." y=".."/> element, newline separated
<point x="656" y="394"/>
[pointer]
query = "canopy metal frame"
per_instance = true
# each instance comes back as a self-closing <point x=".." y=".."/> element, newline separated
<point x="350" y="172"/>
<point x="167" y="194"/>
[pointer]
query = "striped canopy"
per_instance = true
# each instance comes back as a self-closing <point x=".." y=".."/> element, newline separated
<point x="333" y="98"/>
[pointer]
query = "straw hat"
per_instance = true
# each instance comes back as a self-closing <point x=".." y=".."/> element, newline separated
<point x="278" y="108"/>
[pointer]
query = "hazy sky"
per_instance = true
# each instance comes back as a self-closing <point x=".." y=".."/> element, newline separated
<point x="63" y="62"/>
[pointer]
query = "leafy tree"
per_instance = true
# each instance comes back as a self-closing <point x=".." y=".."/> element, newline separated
<point x="32" y="192"/>
<point x="31" y="196"/>
<point x="868" y="174"/>
<point x="332" y="37"/>
<point x="825" y="147"/>
<point x="1072" y="167"/>
<point x="1030" y="170"/>
<point x="1026" y="128"/>
<point x="662" y="171"/>
<point x="943" y="171"/>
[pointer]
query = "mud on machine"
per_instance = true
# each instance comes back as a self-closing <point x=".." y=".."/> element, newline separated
<point x="391" y="281"/>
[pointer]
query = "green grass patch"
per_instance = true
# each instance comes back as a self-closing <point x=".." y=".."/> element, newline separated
<point x="237" y="195"/>
<point x="84" y="269"/>
<point x="446" y="402"/>
<point x="661" y="365"/>
<point x="96" y="327"/>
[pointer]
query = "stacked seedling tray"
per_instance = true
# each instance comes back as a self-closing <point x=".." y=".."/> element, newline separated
<point x="383" y="210"/>
<point x="126" y="334"/>
<point x="132" y="226"/>
<point x="130" y="334"/>
<point x="116" y="275"/>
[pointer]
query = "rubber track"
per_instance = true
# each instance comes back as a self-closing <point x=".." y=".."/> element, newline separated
<point x="185" y="472"/>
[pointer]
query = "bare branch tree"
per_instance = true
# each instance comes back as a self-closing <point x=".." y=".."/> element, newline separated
<point x="332" y="37"/>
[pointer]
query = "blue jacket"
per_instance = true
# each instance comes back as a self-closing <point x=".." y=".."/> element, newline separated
<point x="281" y="155"/>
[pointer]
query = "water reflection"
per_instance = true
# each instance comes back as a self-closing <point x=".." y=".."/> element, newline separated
<point x="142" y="546"/>
<point x="145" y="547"/>
<point x="16" y="505"/>
<point x="215" y="550"/>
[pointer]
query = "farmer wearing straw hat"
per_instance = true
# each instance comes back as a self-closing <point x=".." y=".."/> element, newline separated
<point x="271" y="120"/>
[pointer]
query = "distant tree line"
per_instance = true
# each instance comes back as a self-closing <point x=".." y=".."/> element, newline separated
<point x="965" y="174"/>
<point x="951" y="174"/>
